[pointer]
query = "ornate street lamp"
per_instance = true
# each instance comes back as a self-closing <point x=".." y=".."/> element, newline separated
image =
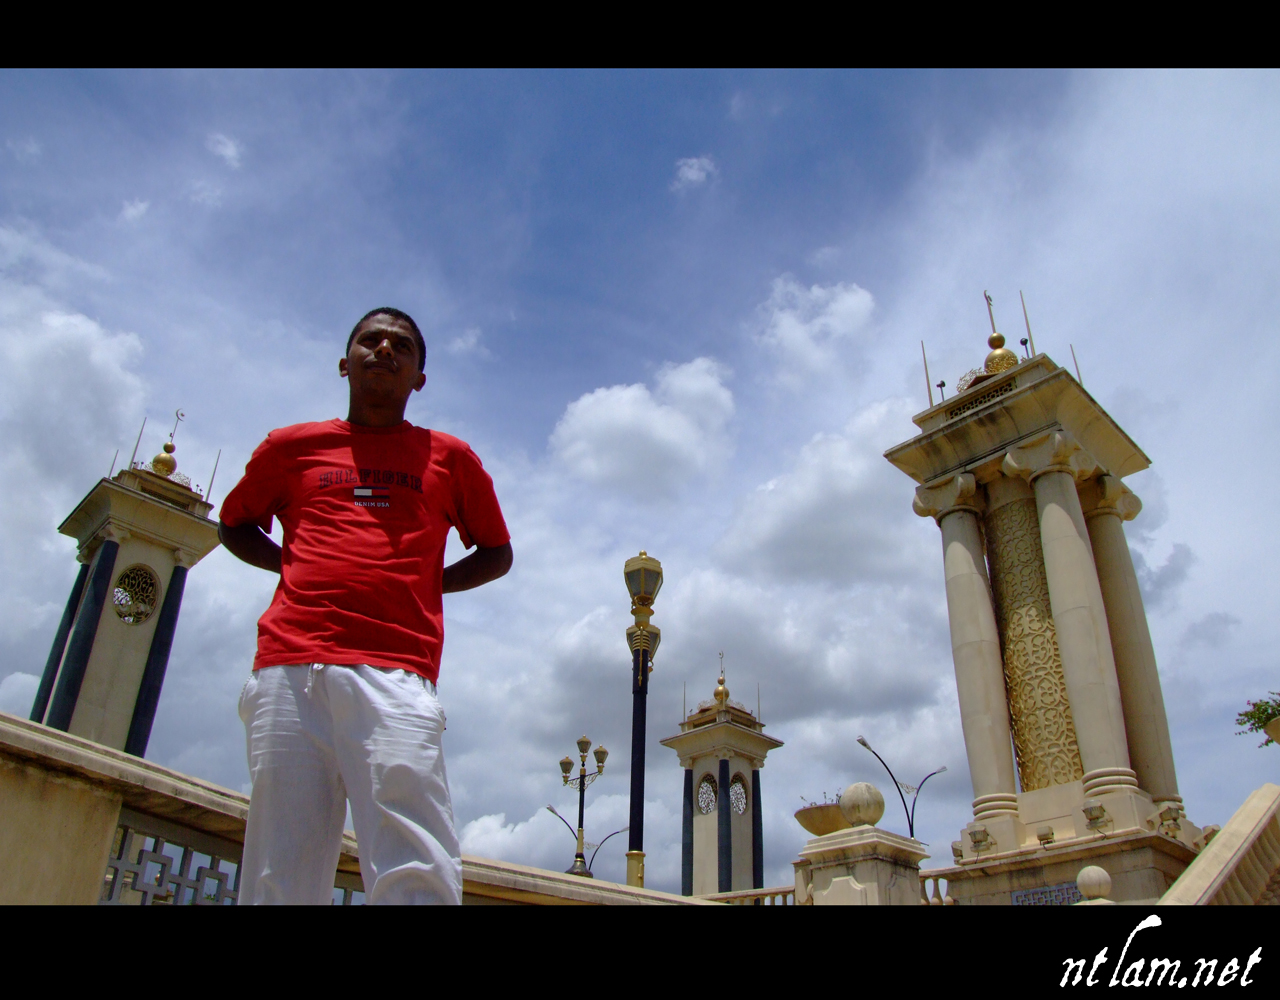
<point x="643" y="574"/>
<point x="915" y="790"/>
<point x="581" y="782"/>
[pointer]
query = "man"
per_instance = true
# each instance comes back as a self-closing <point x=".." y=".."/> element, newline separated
<point x="342" y="701"/>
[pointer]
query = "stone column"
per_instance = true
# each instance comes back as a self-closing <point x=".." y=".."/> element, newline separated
<point x="1107" y="502"/>
<point x="724" y="831"/>
<point x="686" y="836"/>
<point x="757" y="832"/>
<point x="1051" y="464"/>
<point x="975" y="644"/>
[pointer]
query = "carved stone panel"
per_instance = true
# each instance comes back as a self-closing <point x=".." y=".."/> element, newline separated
<point x="1044" y="735"/>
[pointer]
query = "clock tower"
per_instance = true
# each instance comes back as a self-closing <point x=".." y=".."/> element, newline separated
<point x="722" y="747"/>
<point x="138" y="534"/>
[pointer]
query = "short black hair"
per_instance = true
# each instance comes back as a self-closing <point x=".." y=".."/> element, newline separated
<point x="400" y="315"/>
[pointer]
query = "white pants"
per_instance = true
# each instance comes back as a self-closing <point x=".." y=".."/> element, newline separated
<point x="319" y="735"/>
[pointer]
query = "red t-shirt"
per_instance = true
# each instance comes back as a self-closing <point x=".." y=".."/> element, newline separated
<point x="365" y="513"/>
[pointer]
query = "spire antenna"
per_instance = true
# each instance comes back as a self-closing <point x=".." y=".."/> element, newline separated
<point x="928" y="383"/>
<point x="137" y="442"/>
<point x="1026" y="319"/>
<point x="209" y="492"/>
<point x="990" y="311"/>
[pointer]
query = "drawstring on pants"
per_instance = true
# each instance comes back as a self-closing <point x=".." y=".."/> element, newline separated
<point x="312" y="670"/>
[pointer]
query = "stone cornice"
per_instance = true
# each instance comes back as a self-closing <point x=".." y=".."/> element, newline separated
<point x="973" y="431"/>
<point x="710" y="740"/>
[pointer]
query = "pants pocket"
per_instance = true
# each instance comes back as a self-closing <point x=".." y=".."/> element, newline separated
<point x="244" y="697"/>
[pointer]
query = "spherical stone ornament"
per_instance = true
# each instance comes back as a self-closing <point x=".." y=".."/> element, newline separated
<point x="862" y="804"/>
<point x="1093" y="882"/>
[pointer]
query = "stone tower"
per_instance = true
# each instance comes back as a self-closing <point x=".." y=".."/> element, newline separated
<point x="139" y="533"/>
<point x="1063" y="718"/>
<point x="722" y="747"/>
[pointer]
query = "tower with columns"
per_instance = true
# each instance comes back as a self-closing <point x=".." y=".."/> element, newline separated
<point x="722" y="747"/>
<point x="1063" y="718"/>
<point x="138" y="535"/>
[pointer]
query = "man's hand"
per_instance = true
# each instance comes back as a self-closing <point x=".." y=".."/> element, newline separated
<point x="250" y="544"/>
<point x="482" y="566"/>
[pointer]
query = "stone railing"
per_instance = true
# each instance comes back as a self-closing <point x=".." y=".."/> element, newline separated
<point x="939" y="896"/>
<point x="83" y="823"/>
<point x="784" y="895"/>
<point x="1241" y="864"/>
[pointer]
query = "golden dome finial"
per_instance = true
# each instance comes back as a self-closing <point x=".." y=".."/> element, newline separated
<point x="1000" y="359"/>
<point x="165" y="464"/>
<point x="721" y="692"/>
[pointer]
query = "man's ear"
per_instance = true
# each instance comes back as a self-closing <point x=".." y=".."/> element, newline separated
<point x="342" y="367"/>
<point x="421" y="381"/>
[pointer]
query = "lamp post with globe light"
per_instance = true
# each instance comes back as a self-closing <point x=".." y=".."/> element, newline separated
<point x="580" y="783"/>
<point x="643" y="575"/>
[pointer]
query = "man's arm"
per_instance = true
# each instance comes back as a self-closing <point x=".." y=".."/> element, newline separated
<point x="482" y="566"/>
<point x="251" y="544"/>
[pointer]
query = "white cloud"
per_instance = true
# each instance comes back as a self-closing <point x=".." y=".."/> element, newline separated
<point x="24" y="150"/>
<point x="226" y="148"/>
<point x="468" y="343"/>
<point x="71" y="398"/>
<point x="807" y="329"/>
<point x="134" y="210"/>
<point x="838" y="515"/>
<point x="693" y="171"/>
<point x="624" y="436"/>
<point x="18" y="693"/>
<point x="205" y="193"/>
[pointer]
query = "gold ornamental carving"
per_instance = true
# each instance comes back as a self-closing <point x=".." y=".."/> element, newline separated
<point x="1044" y="735"/>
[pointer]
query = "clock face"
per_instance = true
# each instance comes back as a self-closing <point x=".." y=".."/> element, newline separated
<point x="707" y="795"/>
<point x="738" y="794"/>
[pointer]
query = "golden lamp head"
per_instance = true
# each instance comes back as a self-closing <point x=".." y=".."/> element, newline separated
<point x="566" y="765"/>
<point x="584" y="744"/>
<point x="643" y="574"/>
<point x="600" y="754"/>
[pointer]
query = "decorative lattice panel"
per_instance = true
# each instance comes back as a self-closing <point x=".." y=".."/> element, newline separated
<point x="1049" y="895"/>
<point x="137" y="592"/>
<point x="1044" y="734"/>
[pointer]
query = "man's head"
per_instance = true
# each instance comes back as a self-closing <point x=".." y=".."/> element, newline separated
<point x="384" y="362"/>
<point x="404" y="318"/>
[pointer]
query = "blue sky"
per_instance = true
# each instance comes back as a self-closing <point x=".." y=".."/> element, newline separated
<point x="677" y="311"/>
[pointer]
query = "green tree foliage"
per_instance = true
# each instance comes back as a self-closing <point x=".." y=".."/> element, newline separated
<point x="1257" y="715"/>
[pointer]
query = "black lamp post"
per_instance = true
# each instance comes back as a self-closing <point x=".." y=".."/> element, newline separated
<point x="643" y="574"/>
<point x="911" y="813"/>
<point x="581" y="782"/>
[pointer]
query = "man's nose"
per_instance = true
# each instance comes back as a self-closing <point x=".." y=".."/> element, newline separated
<point x="384" y="349"/>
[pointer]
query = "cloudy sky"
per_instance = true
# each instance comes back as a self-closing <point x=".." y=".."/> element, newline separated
<point x="671" y="311"/>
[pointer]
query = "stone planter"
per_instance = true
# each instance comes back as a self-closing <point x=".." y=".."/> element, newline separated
<point x="822" y="819"/>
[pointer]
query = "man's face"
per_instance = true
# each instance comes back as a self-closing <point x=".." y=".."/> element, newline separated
<point x="383" y="360"/>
